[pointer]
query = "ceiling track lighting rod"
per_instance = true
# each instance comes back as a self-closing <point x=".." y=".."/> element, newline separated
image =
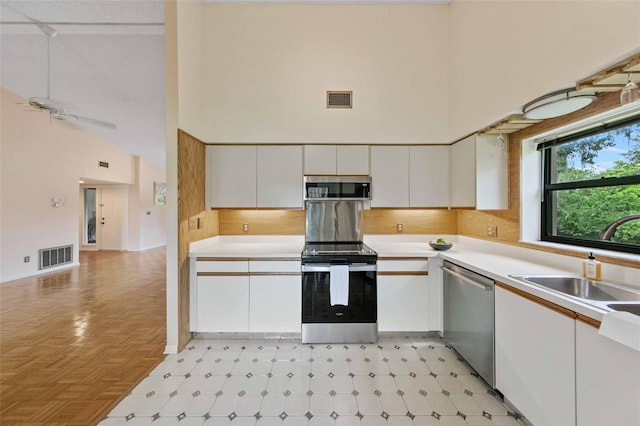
<point x="48" y="67"/>
<point x="106" y="24"/>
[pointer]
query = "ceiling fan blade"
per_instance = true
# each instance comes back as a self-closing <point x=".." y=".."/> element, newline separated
<point x="88" y="120"/>
<point x="46" y="29"/>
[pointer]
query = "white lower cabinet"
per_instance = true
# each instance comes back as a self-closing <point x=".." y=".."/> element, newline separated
<point x="403" y="295"/>
<point x="402" y="300"/>
<point x="607" y="380"/>
<point x="275" y="303"/>
<point x="246" y="295"/>
<point x="535" y="359"/>
<point x="222" y="304"/>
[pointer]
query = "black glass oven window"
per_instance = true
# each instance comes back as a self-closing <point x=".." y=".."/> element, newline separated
<point x="316" y="300"/>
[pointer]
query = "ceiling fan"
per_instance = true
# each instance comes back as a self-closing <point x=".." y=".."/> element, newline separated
<point x="54" y="109"/>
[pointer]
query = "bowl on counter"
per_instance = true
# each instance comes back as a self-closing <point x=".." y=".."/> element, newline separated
<point x="440" y="247"/>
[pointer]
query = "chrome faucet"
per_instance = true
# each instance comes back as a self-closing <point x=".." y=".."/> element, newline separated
<point x="610" y="229"/>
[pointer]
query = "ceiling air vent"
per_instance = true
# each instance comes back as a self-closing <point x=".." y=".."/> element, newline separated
<point x="339" y="99"/>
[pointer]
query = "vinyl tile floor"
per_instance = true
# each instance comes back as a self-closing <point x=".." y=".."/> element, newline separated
<point x="401" y="380"/>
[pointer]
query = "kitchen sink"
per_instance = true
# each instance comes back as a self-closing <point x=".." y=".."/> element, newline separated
<point x="581" y="288"/>
<point x="634" y="308"/>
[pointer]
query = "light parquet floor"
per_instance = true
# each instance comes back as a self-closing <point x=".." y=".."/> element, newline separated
<point x="74" y="343"/>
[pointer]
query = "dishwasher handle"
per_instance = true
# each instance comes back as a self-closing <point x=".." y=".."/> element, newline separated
<point x="467" y="280"/>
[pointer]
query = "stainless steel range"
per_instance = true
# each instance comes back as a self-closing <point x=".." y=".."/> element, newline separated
<point x="339" y="290"/>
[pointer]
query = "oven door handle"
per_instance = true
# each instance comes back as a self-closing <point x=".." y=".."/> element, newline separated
<point x="354" y="267"/>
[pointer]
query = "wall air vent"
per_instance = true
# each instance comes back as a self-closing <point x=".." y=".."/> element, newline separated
<point x="339" y="99"/>
<point x="55" y="256"/>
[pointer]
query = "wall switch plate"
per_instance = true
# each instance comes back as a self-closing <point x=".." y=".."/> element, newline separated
<point x="492" y="231"/>
<point x="27" y="259"/>
<point x="399" y="227"/>
<point x="245" y="227"/>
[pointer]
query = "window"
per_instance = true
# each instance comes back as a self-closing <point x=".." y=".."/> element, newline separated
<point x="591" y="191"/>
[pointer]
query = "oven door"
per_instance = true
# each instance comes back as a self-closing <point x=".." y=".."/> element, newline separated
<point x="316" y="298"/>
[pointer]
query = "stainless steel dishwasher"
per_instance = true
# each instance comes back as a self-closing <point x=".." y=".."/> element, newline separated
<point x="469" y="317"/>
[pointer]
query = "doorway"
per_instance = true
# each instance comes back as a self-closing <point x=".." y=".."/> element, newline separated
<point x="105" y="217"/>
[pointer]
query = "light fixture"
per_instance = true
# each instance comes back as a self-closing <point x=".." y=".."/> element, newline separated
<point x="501" y="143"/>
<point x="557" y="103"/>
<point x="630" y="92"/>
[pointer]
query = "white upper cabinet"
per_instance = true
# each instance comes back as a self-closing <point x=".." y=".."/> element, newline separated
<point x="492" y="172"/>
<point x="254" y="176"/>
<point x="231" y="176"/>
<point x="336" y="160"/>
<point x="390" y="176"/>
<point x="320" y="160"/>
<point x="352" y="160"/>
<point x="279" y="176"/>
<point x="429" y="176"/>
<point x="479" y="173"/>
<point x="462" y="173"/>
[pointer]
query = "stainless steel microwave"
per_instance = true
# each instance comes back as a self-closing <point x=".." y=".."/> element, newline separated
<point x="337" y="188"/>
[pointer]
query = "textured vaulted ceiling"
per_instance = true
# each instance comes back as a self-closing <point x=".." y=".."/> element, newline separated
<point x="107" y="63"/>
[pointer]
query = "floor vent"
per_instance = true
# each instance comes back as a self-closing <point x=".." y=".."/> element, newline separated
<point x="339" y="99"/>
<point x="56" y="256"/>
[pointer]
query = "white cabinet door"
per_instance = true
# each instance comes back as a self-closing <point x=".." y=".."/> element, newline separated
<point x="320" y="160"/>
<point x="222" y="304"/>
<point x="352" y="160"/>
<point x="607" y="380"/>
<point x="492" y="173"/>
<point x="231" y="176"/>
<point x="429" y="176"/>
<point x="390" y="176"/>
<point x="479" y="168"/>
<point x="402" y="303"/>
<point x="535" y="359"/>
<point x="462" y="173"/>
<point x="275" y="303"/>
<point x="279" y="176"/>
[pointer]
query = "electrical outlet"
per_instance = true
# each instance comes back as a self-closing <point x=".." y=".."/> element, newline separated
<point x="492" y="231"/>
<point x="245" y="227"/>
<point x="193" y="223"/>
<point x="27" y="259"/>
<point x="399" y="227"/>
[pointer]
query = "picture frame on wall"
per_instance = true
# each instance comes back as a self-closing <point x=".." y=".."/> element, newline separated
<point x="160" y="193"/>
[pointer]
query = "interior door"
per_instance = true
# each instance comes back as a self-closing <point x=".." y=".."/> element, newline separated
<point x="114" y="217"/>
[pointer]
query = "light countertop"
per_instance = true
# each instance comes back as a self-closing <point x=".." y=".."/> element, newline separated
<point x="249" y="246"/>
<point x="495" y="260"/>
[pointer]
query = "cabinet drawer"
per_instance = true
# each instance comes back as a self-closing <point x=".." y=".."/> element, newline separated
<point x="280" y="265"/>
<point x="403" y="265"/>
<point x="237" y="265"/>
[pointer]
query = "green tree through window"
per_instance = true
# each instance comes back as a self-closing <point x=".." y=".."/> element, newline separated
<point x="590" y="181"/>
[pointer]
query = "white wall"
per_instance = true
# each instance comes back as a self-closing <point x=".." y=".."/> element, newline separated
<point x="147" y="221"/>
<point x="42" y="159"/>
<point x="506" y="53"/>
<point x="188" y="61"/>
<point x="172" y="112"/>
<point x="258" y="73"/>
<point x="267" y="67"/>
